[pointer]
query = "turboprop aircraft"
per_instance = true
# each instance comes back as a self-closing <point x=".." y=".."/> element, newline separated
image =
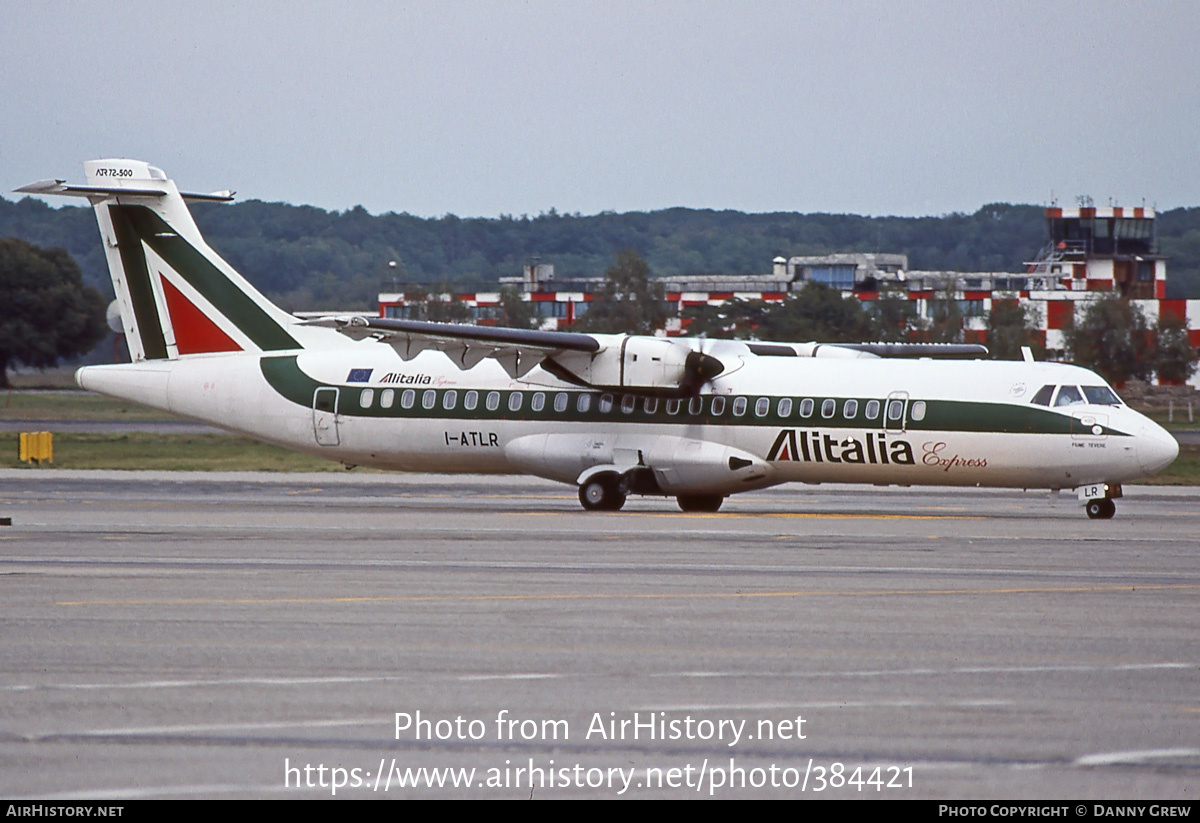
<point x="614" y="415"/>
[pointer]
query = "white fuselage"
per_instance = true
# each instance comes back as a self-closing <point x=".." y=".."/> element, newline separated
<point x="785" y="418"/>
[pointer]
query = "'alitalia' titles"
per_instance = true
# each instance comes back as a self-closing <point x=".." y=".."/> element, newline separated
<point x="815" y="447"/>
<point x="398" y="378"/>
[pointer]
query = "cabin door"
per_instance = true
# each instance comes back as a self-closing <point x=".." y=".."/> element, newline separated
<point x="325" y="417"/>
<point x="895" y="412"/>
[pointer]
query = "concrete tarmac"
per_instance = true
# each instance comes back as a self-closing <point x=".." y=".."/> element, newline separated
<point x="187" y="635"/>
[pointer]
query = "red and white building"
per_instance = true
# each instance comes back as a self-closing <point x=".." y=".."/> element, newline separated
<point x="1092" y="251"/>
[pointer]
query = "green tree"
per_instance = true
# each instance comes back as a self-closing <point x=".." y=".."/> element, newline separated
<point x="1113" y="339"/>
<point x="945" y="323"/>
<point x="630" y="302"/>
<point x="895" y="316"/>
<point x="1011" y="325"/>
<point x="1174" y="354"/>
<point x="817" y="313"/>
<point x="733" y="318"/>
<point x="515" y="312"/>
<point x="46" y="313"/>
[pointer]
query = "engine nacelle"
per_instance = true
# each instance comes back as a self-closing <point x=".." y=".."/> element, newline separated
<point x="639" y="363"/>
<point x="679" y="465"/>
<point x="682" y="465"/>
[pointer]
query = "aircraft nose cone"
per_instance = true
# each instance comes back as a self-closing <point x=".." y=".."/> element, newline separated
<point x="1156" y="448"/>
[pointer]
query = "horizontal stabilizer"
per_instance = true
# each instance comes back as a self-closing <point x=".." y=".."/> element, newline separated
<point x="60" y="187"/>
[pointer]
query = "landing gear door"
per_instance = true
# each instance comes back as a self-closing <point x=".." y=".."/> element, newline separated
<point x="895" y="412"/>
<point x="325" y="417"/>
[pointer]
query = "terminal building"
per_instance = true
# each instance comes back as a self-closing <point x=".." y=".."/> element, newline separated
<point x="1092" y="251"/>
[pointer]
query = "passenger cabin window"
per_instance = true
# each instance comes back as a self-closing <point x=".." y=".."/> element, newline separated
<point x="806" y="407"/>
<point x="718" y="406"/>
<point x="408" y="398"/>
<point x="895" y="410"/>
<point x="560" y="401"/>
<point x="539" y="402"/>
<point x="606" y="403"/>
<point x="470" y="400"/>
<point x="1042" y="398"/>
<point x="673" y="406"/>
<point x="493" y="400"/>
<point x="1068" y="396"/>
<point x="366" y="398"/>
<point x="739" y="406"/>
<point x="850" y="409"/>
<point x="917" y="412"/>
<point x="515" y="400"/>
<point x="651" y="405"/>
<point x="872" y="409"/>
<point x="828" y="407"/>
<point x="387" y="398"/>
<point x="449" y="399"/>
<point x="627" y="403"/>
<point x="762" y="406"/>
<point x="583" y="403"/>
<point x="785" y="407"/>
<point x="428" y="399"/>
<point x="696" y="405"/>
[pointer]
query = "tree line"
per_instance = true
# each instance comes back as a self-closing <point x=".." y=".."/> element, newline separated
<point x="307" y="258"/>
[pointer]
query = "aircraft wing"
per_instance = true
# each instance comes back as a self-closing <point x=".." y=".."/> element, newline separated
<point x="627" y="362"/>
<point x="516" y="350"/>
<point x="971" y="350"/>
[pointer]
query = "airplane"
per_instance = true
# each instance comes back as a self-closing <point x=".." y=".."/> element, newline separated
<point x="612" y="414"/>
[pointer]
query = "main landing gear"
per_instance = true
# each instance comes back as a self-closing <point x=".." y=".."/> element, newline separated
<point x="607" y="493"/>
<point x="1101" y="509"/>
<point x="700" y="502"/>
<point x="602" y="494"/>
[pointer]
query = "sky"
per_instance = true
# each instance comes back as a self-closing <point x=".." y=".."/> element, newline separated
<point x="488" y="108"/>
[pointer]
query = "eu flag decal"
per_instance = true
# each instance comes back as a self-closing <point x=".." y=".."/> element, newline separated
<point x="359" y="376"/>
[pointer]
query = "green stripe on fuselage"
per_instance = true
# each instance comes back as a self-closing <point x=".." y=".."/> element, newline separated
<point x="287" y="378"/>
<point x="205" y="278"/>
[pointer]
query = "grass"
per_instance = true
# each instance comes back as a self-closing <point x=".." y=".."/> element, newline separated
<point x="1176" y="420"/>
<point x="57" y="378"/>
<point x="167" y="452"/>
<point x="72" y="405"/>
<point x="1185" y="471"/>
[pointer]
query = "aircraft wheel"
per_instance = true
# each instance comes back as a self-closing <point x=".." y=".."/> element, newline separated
<point x="1101" y="509"/>
<point x="601" y="494"/>
<point x="700" y="502"/>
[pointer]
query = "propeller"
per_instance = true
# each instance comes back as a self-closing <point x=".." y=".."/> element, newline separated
<point x="698" y="369"/>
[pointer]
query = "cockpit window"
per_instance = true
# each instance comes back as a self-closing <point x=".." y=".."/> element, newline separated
<point x="1101" y="396"/>
<point x="1069" y="396"/>
<point x="1042" y="398"/>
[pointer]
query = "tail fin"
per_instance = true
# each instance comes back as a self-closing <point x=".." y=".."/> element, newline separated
<point x="177" y="296"/>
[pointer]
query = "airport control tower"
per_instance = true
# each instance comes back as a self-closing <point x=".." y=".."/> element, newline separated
<point x="1103" y="249"/>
